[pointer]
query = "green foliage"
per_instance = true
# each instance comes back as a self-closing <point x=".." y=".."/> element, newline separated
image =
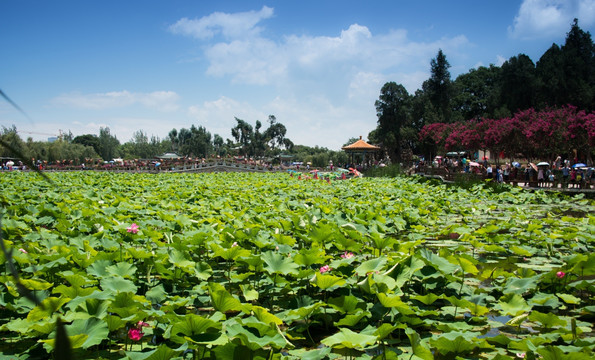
<point x="239" y="265"/>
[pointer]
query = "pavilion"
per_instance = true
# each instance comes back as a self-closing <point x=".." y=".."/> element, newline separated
<point x="360" y="147"/>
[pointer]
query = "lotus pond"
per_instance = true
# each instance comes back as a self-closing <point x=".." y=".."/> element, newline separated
<point x="264" y="266"/>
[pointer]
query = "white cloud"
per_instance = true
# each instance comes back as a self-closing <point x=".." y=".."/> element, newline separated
<point x="500" y="60"/>
<point x="546" y="18"/>
<point x="237" y="25"/>
<point x="159" y="100"/>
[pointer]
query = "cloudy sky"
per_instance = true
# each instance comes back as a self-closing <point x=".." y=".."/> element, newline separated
<point x="318" y="66"/>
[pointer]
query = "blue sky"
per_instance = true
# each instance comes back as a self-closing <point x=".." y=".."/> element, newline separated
<point x="318" y="66"/>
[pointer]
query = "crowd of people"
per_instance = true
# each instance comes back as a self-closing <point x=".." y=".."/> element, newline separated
<point x="559" y="173"/>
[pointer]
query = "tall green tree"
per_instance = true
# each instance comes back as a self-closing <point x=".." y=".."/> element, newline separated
<point x="518" y="83"/>
<point x="392" y="110"/>
<point x="439" y="86"/>
<point x="579" y="68"/>
<point x="551" y="80"/>
<point x="108" y="144"/>
<point x="476" y="93"/>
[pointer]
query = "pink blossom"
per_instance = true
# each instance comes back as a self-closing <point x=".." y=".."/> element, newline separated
<point x="324" y="269"/>
<point x="135" y="334"/>
<point x="23" y="251"/>
<point x="142" y="324"/>
<point x="347" y="255"/>
<point x="560" y="274"/>
<point x="133" y="228"/>
<point x="520" y="355"/>
<point x="234" y="244"/>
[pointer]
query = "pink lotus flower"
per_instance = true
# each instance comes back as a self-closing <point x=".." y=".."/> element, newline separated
<point x="135" y="334"/>
<point x="234" y="244"/>
<point x="133" y="228"/>
<point x="324" y="269"/>
<point x="560" y="274"/>
<point x="520" y="355"/>
<point x="23" y="251"/>
<point x="347" y="255"/>
<point x="142" y="324"/>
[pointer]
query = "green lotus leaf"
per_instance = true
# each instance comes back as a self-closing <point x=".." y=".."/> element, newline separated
<point x="305" y="311"/>
<point x="385" y="330"/>
<point x="310" y="256"/>
<point x="96" y="329"/>
<point x="513" y="304"/>
<point x="118" y="284"/>
<point x="585" y="267"/>
<point x="73" y="292"/>
<point x="231" y="253"/>
<point x="156" y="294"/>
<point x="277" y="263"/>
<point x="76" y="342"/>
<point x="163" y="352"/>
<point x="94" y="307"/>
<point x="99" y="268"/>
<point x="305" y="354"/>
<point x="353" y="319"/>
<point x="427" y="299"/>
<point x="543" y="299"/>
<point x="254" y="341"/>
<point x="347" y="304"/>
<point x="200" y="330"/>
<point x="394" y="301"/>
<point x="555" y="353"/>
<point x="265" y="316"/>
<point x="569" y="299"/>
<point x="46" y="308"/>
<point x="126" y="304"/>
<point x="548" y="320"/>
<point x="32" y="284"/>
<point x="121" y="269"/>
<point x="178" y="259"/>
<point x="325" y="282"/>
<point x="419" y="349"/>
<point x="453" y="343"/>
<point x="223" y="301"/>
<point x="346" y="338"/>
<point x="203" y="270"/>
<point x="371" y="266"/>
<point x="250" y="294"/>
<point x="438" y="262"/>
<point x="522" y="251"/>
<point x="114" y="322"/>
<point x="520" y="286"/>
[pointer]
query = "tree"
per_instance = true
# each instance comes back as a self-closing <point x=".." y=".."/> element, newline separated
<point x="518" y="83"/>
<point x="551" y="80"/>
<point x="243" y="134"/>
<point x="579" y="68"/>
<point x="392" y="109"/>
<point x="476" y="93"/>
<point x="88" y="140"/>
<point x="108" y="144"/>
<point x="275" y="133"/>
<point x="10" y="137"/>
<point x="439" y="86"/>
<point x="173" y="137"/>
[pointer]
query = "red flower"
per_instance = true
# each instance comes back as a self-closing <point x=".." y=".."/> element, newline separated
<point x="135" y="334"/>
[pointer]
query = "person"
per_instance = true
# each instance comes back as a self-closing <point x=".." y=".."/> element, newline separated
<point x="565" y="175"/>
<point x="573" y="176"/>
<point x="489" y="172"/>
<point x="540" y="177"/>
